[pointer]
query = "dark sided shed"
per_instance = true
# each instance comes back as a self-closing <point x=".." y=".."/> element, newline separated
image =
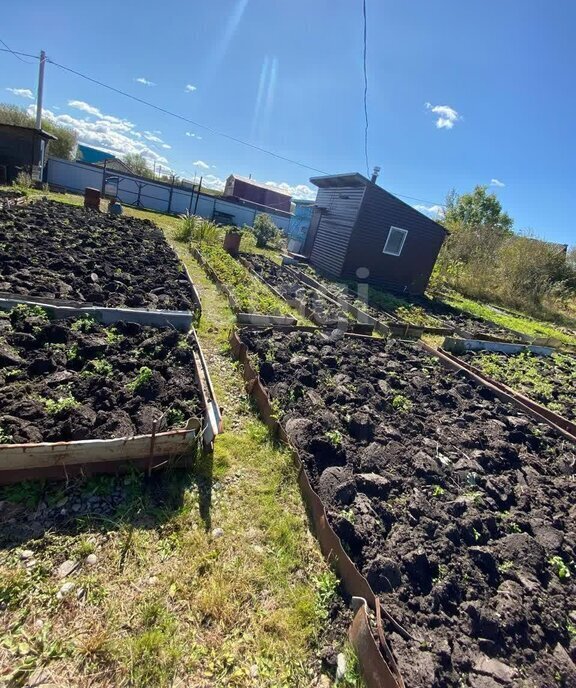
<point x="360" y="231"/>
<point x="21" y="148"/>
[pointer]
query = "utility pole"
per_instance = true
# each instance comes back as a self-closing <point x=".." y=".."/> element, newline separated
<point x="40" y="92"/>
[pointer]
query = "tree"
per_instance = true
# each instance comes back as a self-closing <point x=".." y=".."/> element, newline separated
<point x="139" y="165"/>
<point x="265" y="230"/>
<point x="63" y="147"/>
<point x="475" y="210"/>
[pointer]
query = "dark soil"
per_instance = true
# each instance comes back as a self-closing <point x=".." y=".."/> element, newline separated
<point x="457" y="508"/>
<point x="322" y="310"/>
<point x="64" y="252"/>
<point x="74" y="380"/>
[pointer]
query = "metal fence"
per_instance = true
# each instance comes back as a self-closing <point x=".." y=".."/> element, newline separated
<point x="150" y="194"/>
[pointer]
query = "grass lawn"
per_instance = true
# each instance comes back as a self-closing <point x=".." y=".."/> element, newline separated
<point x="205" y="577"/>
<point x="520" y="323"/>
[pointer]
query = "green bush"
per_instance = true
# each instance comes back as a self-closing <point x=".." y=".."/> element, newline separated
<point x="265" y="231"/>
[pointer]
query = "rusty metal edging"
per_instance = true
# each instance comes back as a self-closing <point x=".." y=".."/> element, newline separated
<point x="555" y="418"/>
<point x="377" y="672"/>
<point x="504" y="393"/>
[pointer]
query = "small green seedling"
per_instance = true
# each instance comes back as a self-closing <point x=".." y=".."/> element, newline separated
<point x="142" y="379"/>
<point x="276" y="409"/>
<point x="562" y="570"/>
<point x="61" y="404"/>
<point x="349" y="515"/>
<point x="175" y="418"/>
<point x="84" y="324"/>
<point x="506" y="566"/>
<point x="476" y="534"/>
<point x="401" y="404"/>
<point x="72" y="352"/>
<point x="438" y="491"/>
<point x="112" y="335"/>
<point x="5" y="437"/>
<point x="98" y="366"/>
<point x="334" y="437"/>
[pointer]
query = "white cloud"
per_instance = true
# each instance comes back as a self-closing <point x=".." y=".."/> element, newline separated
<point x="202" y="164"/>
<point x="189" y="88"/>
<point x="436" y="212"/>
<point x="22" y="92"/>
<point x="85" y="107"/>
<point x="301" y="191"/>
<point x="167" y="146"/>
<point x="149" y="136"/>
<point x="192" y="135"/>
<point x="145" y="82"/>
<point x="213" y="182"/>
<point x="115" y="135"/>
<point x="497" y="182"/>
<point x="447" y="116"/>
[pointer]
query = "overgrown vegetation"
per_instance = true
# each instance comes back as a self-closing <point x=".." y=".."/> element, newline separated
<point x="482" y="258"/>
<point x="250" y="295"/>
<point x="265" y="231"/>
<point x="197" y="229"/>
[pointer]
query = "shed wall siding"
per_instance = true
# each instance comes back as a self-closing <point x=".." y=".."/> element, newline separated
<point x="411" y="270"/>
<point x="335" y="227"/>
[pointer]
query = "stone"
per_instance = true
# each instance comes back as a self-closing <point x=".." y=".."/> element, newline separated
<point x="496" y="669"/>
<point x="254" y="671"/>
<point x="26" y="554"/>
<point x="91" y="559"/>
<point x="217" y="533"/>
<point x="153" y="580"/>
<point x="66" y="568"/>
<point x="66" y="589"/>
<point x="340" y="666"/>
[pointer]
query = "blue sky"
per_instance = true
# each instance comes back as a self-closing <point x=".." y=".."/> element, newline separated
<point x="460" y="93"/>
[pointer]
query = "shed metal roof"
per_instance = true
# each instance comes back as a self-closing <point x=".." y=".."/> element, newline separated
<point x="247" y="180"/>
<point x="43" y="134"/>
<point x="347" y="179"/>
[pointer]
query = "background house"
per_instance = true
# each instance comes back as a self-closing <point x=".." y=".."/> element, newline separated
<point x="21" y="149"/>
<point x="360" y="231"/>
<point x="299" y="224"/>
<point x="246" y="189"/>
<point x="95" y="156"/>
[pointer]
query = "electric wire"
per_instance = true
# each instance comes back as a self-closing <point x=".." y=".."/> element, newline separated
<point x="17" y="54"/>
<point x="198" y="124"/>
<point x="365" y="41"/>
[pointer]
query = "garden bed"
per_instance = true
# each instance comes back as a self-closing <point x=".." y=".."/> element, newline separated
<point x="452" y="503"/>
<point x="549" y="380"/>
<point x="58" y="251"/>
<point x="72" y="380"/>
<point x="319" y="308"/>
<point x="251" y="301"/>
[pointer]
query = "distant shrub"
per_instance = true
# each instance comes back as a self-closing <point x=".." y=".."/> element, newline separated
<point x="197" y="229"/>
<point x="23" y="180"/>
<point x="265" y="231"/>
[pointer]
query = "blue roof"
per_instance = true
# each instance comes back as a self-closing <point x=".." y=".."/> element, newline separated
<point x="93" y="155"/>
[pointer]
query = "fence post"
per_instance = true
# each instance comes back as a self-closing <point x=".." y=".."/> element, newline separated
<point x="170" y="197"/>
<point x="198" y="196"/>
<point x="104" y="178"/>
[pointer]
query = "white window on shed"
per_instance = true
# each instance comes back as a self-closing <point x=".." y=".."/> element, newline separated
<point x="395" y="241"/>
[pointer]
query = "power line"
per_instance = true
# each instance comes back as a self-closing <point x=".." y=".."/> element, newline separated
<point x="202" y="126"/>
<point x="186" y="119"/>
<point x="365" y="89"/>
<point x="15" y="53"/>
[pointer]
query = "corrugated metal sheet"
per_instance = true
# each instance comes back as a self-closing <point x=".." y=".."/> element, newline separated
<point x="339" y="209"/>
<point x="410" y="271"/>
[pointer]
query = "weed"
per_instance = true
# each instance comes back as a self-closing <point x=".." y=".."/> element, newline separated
<point x="442" y="571"/>
<point x="28" y="493"/>
<point x="561" y="569"/>
<point x="334" y="437"/>
<point x="175" y="418"/>
<point x="348" y="514"/>
<point x="53" y="407"/>
<point x="10" y="374"/>
<point x="98" y="366"/>
<point x="5" y="437"/>
<point x="571" y="628"/>
<point x="72" y="352"/>
<point x="276" y="409"/>
<point x="22" y="311"/>
<point x="112" y="335"/>
<point x="476" y="535"/>
<point x="142" y="379"/>
<point x="84" y="323"/>
<point x="326" y="587"/>
<point x="506" y="566"/>
<point x="438" y="491"/>
<point x="513" y="527"/>
<point x="402" y="404"/>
